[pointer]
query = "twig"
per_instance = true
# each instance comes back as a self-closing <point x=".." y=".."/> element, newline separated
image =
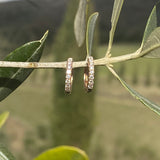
<point x="49" y="65"/>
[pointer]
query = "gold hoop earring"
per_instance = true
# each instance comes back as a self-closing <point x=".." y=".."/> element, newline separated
<point x="89" y="74"/>
<point x="69" y="76"/>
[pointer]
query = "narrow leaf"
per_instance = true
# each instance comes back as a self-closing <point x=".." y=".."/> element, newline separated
<point x="114" y="20"/>
<point x="135" y="94"/>
<point x="152" y="23"/>
<point x="80" y="22"/>
<point x="90" y="32"/>
<point x="151" y="48"/>
<point x="3" y="118"/>
<point x="11" y="78"/>
<point x="63" y="153"/>
<point x="5" y="154"/>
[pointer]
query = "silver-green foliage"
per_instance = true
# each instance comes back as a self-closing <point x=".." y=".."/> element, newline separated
<point x="5" y="154"/>
<point x="11" y="78"/>
<point x="80" y="22"/>
<point x="90" y="32"/>
<point x="114" y="20"/>
<point x="150" y="48"/>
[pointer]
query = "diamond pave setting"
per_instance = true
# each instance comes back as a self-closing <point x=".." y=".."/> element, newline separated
<point x="89" y="74"/>
<point x="69" y="76"/>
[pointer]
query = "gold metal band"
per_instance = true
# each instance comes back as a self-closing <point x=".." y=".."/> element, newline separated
<point x="69" y="76"/>
<point x="89" y="74"/>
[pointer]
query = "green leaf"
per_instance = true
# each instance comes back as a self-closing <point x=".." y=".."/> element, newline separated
<point x="5" y="154"/>
<point x="135" y="94"/>
<point x="151" y="48"/>
<point x="80" y="22"/>
<point x="114" y="20"/>
<point x="152" y="23"/>
<point x="63" y="153"/>
<point x="11" y="78"/>
<point x="90" y="32"/>
<point x="3" y="118"/>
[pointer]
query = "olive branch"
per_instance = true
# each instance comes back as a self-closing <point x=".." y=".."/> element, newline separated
<point x="18" y="65"/>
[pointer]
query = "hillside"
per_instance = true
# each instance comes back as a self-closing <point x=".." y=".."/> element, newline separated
<point x="27" y="20"/>
<point x="132" y="19"/>
<point x="23" y="21"/>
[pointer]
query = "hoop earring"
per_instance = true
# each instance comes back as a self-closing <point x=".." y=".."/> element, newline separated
<point x="89" y="74"/>
<point x="69" y="76"/>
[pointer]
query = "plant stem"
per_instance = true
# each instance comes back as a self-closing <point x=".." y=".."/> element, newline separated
<point x="49" y="65"/>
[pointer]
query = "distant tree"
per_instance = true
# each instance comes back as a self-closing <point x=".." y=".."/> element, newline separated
<point x="148" y="76"/>
<point x="122" y="70"/>
<point x="135" y="76"/>
<point x="72" y="119"/>
<point x="158" y="75"/>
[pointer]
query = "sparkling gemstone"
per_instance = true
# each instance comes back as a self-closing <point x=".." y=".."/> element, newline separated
<point x="91" y="72"/>
<point x="69" y="66"/>
<point x="67" y="86"/>
<point x="68" y="76"/>
<point x="90" y="86"/>
<point x="69" y="59"/>
<point x="67" y="81"/>
<point x="91" y="67"/>
<point x="68" y="71"/>
<point x="91" y="81"/>
<point x="91" y="77"/>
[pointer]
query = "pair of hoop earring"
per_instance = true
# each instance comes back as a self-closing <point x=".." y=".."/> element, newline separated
<point x="88" y="75"/>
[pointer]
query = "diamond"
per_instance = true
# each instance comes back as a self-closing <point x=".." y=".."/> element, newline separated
<point x="91" y="72"/>
<point x="91" y="67"/>
<point x="67" y="81"/>
<point x="91" y="81"/>
<point x="69" y="59"/>
<point x="68" y="76"/>
<point x="69" y="62"/>
<point x="90" y="86"/>
<point x="67" y="85"/>
<point x="68" y="71"/>
<point x="69" y="66"/>
<point x="67" y="89"/>
<point x="91" y="77"/>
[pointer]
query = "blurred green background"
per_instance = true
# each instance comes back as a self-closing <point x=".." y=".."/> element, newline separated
<point x="124" y="129"/>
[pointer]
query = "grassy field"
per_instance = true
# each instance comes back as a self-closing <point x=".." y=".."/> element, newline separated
<point x="124" y="128"/>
